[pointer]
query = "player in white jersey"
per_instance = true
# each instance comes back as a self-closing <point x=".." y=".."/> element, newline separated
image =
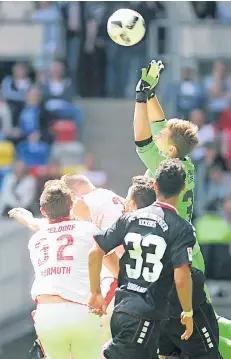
<point x="59" y="254"/>
<point x="91" y="204"/>
<point x="100" y="201"/>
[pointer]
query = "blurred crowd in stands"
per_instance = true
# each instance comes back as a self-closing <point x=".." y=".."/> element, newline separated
<point x="40" y="135"/>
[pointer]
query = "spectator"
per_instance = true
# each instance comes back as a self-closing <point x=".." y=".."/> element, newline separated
<point x="73" y="18"/>
<point x="212" y="158"/>
<point x="96" y="15"/>
<point x="218" y="88"/>
<point x="219" y="184"/>
<point x="33" y="117"/>
<point x="29" y="119"/>
<point x="15" y="186"/>
<point x="224" y="127"/>
<point x="206" y="133"/>
<point x="48" y="15"/>
<point x="14" y="89"/>
<point x="224" y="12"/>
<point x="205" y="9"/>
<point x="6" y="128"/>
<point x="188" y="93"/>
<point x="58" y="94"/>
<point x="33" y="151"/>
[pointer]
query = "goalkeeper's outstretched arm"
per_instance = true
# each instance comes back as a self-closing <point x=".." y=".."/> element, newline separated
<point x="142" y="129"/>
<point x="145" y="146"/>
<point x="155" y="111"/>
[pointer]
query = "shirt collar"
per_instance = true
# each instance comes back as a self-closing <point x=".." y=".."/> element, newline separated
<point x="64" y="219"/>
<point x="165" y="205"/>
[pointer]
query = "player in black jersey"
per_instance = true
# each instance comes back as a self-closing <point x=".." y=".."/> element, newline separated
<point x="203" y="343"/>
<point x="158" y="252"/>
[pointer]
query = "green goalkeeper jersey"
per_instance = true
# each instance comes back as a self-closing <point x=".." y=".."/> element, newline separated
<point x="152" y="158"/>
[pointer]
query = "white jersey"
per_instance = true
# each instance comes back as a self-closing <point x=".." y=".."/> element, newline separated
<point x="105" y="204"/>
<point x="59" y="254"/>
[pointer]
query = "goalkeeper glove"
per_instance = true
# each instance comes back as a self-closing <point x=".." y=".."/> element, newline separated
<point x="148" y="81"/>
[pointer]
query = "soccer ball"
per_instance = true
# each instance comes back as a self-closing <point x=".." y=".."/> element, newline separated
<point x="126" y="27"/>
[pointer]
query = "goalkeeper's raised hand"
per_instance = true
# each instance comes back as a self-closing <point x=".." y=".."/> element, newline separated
<point x="149" y="78"/>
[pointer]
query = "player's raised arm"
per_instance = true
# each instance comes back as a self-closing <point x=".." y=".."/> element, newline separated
<point x="26" y="218"/>
<point x="145" y="146"/>
<point x="181" y="257"/>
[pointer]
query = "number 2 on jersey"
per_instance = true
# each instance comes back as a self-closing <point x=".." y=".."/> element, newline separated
<point x="43" y="246"/>
<point x="152" y="257"/>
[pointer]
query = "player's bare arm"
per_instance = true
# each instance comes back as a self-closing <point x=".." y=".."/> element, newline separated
<point x="154" y="109"/>
<point x="183" y="281"/>
<point x="111" y="261"/>
<point x="96" y="301"/>
<point x="25" y="217"/>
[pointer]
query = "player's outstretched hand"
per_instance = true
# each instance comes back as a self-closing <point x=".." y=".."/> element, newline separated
<point x="96" y="304"/>
<point x="188" y="322"/>
<point x="150" y="76"/>
<point x="21" y="215"/>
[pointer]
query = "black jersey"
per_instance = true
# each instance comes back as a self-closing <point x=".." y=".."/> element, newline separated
<point x="156" y="240"/>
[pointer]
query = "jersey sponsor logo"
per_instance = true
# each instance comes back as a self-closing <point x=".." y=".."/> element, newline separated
<point x="136" y="288"/>
<point x="147" y="223"/>
<point x="190" y="252"/>
<point x="155" y="218"/>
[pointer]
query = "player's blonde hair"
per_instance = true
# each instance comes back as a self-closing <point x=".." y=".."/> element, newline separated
<point x="70" y="179"/>
<point x="183" y="135"/>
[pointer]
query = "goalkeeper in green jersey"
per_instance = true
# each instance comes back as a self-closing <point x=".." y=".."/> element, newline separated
<point x="157" y="139"/>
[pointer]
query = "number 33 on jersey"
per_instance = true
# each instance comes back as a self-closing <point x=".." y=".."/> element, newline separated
<point x="155" y="240"/>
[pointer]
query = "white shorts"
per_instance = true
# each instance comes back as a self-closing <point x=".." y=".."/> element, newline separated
<point x="66" y="329"/>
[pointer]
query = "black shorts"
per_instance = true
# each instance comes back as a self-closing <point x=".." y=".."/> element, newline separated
<point x="203" y="343"/>
<point x="132" y="338"/>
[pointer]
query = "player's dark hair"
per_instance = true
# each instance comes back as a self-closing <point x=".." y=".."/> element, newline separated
<point x="56" y="201"/>
<point x="143" y="192"/>
<point x="143" y="180"/>
<point x="170" y="178"/>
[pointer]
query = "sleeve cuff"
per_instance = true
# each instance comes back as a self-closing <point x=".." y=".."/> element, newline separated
<point x="144" y="143"/>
